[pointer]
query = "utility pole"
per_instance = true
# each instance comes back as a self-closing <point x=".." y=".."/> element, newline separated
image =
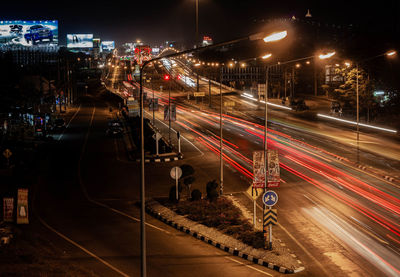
<point x="197" y="23"/>
<point x="209" y="90"/>
<point x="221" y="160"/>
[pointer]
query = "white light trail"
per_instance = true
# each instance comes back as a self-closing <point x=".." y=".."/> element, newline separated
<point x="355" y="123"/>
<point x="246" y="95"/>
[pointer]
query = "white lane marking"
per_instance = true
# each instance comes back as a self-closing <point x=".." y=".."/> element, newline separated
<point x="82" y="248"/>
<point x="296" y="241"/>
<point x="84" y="188"/>
<point x="59" y="138"/>
<point x="76" y="244"/>
<point x="181" y="136"/>
<point x="249" y="266"/>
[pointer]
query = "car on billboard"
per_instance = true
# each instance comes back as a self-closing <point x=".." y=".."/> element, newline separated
<point x="28" y="33"/>
<point x="37" y="33"/>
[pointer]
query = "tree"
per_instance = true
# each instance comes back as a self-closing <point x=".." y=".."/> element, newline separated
<point x="347" y="92"/>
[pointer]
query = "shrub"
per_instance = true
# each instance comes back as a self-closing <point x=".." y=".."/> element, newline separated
<point x="212" y="195"/>
<point x="211" y="189"/>
<point x="187" y="170"/>
<point x="196" y="195"/>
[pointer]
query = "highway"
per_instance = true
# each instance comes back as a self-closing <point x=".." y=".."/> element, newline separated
<point x="100" y="231"/>
<point x="327" y="205"/>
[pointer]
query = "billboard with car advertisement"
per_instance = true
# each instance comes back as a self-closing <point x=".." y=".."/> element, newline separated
<point x="80" y="40"/>
<point x="28" y="32"/>
<point x="107" y="45"/>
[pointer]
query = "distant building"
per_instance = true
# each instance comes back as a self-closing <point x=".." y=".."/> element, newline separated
<point x="32" y="55"/>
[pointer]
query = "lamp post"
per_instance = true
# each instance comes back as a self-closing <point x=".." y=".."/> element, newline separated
<point x="266" y="131"/>
<point x="257" y="36"/>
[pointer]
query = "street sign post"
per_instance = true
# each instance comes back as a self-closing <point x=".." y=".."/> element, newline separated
<point x="157" y="136"/>
<point x="7" y="154"/>
<point x="176" y="173"/>
<point x="178" y="134"/>
<point x="254" y="193"/>
<point x="270" y="198"/>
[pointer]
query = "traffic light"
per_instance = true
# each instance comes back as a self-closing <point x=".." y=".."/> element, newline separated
<point x="166" y="77"/>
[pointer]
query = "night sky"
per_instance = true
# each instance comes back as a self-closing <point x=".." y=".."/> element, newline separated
<point x="157" y="21"/>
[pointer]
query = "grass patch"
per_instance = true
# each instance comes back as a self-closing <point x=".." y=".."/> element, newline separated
<point x="222" y="215"/>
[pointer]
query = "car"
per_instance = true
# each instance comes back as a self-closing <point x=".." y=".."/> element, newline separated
<point x="114" y="131"/>
<point x="37" y="33"/>
<point x="59" y="124"/>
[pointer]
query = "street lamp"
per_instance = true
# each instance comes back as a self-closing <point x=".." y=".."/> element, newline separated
<point x="322" y="56"/>
<point x="269" y="38"/>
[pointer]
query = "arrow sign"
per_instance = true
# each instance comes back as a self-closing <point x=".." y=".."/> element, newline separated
<point x="271" y="217"/>
<point x="270" y="198"/>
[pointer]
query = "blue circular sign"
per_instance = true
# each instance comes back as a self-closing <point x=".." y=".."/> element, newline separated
<point x="270" y="198"/>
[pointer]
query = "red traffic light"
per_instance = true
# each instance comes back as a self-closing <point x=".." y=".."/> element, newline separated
<point x="166" y="77"/>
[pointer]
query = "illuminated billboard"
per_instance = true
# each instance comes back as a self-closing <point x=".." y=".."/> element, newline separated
<point x="80" y="40"/>
<point x="96" y="43"/>
<point x="107" y="45"/>
<point x="28" y="32"/>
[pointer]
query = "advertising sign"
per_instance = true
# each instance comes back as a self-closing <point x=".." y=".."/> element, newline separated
<point x="96" y="43"/>
<point x="107" y="45"/>
<point x="133" y="107"/>
<point x="29" y="32"/>
<point x="171" y="113"/>
<point x="153" y="104"/>
<point x="8" y="209"/>
<point x="261" y="90"/>
<point x="258" y="169"/>
<point x="80" y="40"/>
<point x="273" y="168"/>
<point x="22" y="206"/>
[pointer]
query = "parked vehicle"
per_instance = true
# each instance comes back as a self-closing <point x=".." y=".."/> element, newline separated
<point x="59" y="124"/>
<point x="298" y="104"/>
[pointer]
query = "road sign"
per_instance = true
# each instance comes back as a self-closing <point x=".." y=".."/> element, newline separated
<point x="270" y="217"/>
<point x="168" y="113"/>
<point x="7" y="153"/>
<point x="198" y="94"/>
<point x="8" y="209"/>
<point x="254" y="192"/>
<point x="176" y="172"/>
<point x="270" y="198"/>
<point x="229" y="103"/>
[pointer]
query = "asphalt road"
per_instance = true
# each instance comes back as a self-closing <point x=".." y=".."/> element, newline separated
<point x="340" y="220"/>
<point x="87" y="200"/>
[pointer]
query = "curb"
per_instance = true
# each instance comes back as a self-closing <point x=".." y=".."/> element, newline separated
<point x="223" y="247"/>
<point x="162" y="159"/>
